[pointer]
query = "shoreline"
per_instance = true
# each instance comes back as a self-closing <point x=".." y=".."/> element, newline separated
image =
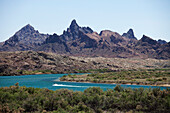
<point x="40" y="73"/>
<point x="128" y="83"/>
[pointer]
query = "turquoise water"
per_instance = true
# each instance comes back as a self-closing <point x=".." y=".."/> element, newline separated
<point x="47" y="81"/>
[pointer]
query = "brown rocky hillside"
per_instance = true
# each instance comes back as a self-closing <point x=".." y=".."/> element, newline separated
<point x="22" y="62"/>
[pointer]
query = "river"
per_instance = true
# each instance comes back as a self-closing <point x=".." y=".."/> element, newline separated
<point x="50" y="81"/>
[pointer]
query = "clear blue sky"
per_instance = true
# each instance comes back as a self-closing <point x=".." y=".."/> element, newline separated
<point x="149" y="17"/>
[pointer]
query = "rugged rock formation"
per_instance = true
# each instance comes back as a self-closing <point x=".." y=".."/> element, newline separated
<point x="83" y="41"/>
<point x="54" y="44"/>
<point x="163" y="51"/>
<point x="25" y="39"/>
<point x="162" y="41"/>
<point x="146" y="46"/>
<point x="73" y="31"/>
<point x="129" y="34"/>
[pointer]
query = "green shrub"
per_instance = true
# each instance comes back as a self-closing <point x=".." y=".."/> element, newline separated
<point x="93" y="99"/>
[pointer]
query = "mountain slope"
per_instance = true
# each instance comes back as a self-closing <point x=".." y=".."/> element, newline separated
<point x="53" y="44"/>
<point x="25" y="39"/>
<point x="163" y="51"/>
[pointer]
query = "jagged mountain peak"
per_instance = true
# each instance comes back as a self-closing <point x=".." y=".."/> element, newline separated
<point x="73" y="21"/>
<point x="27" y="29"/>
<point x="129" y="34"/>
<point x="28" y="26"/>
<point x="74" y="31"/>
<point x="74" y="25"/>
<point x="130" y="31"/>
<point x="25" y="38"/>
<point x="148" y="40"/>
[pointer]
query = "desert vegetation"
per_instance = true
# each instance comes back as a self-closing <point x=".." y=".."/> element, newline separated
<point x="140" y="77"/>
<point x="93" y="99"/>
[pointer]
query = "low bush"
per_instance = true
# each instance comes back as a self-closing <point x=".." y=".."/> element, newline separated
<point x="93" y="99"/>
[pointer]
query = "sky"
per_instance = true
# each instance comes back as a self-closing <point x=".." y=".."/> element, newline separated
<point x="145" y="17"/>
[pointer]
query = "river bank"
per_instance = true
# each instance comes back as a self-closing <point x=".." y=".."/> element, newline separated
<point x="154" y="77"/>
<point x="128" y="83"/>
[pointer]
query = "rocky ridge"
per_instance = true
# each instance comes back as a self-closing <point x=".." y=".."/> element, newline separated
<point x="83" y="41"/>
<point x="25" y="39"/>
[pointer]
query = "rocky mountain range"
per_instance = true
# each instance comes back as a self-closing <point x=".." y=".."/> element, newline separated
<point x="83" y="41"/>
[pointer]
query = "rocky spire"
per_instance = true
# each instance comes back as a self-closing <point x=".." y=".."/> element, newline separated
<point x="74" y="26"/>
<point x="129" y="34"/>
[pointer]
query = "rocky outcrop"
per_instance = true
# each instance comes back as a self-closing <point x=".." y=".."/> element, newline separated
<point x="162" y="41"/>
<point x="129" y="34"/>
<point x="53" y="39"/>
<point x="148" y="40"/>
